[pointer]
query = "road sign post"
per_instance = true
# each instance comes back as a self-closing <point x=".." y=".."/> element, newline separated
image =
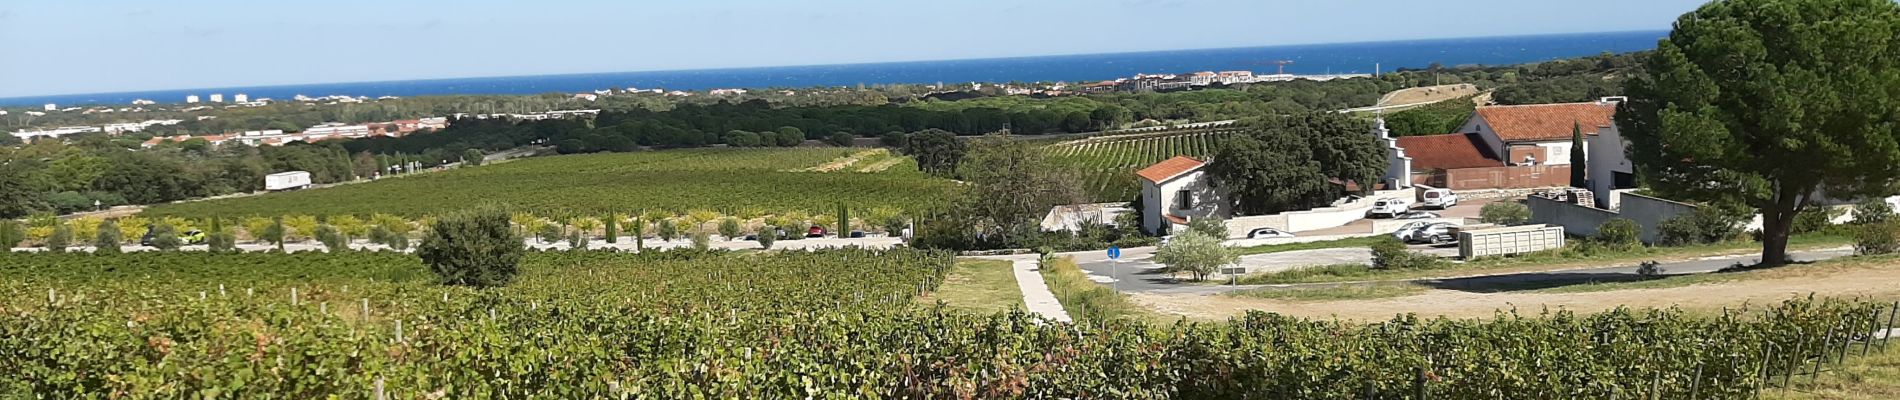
<point x="1115" y="268"/>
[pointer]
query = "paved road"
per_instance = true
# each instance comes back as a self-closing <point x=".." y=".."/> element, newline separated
<point x="1137" y="273"/>
<point x="1037" y="298"/>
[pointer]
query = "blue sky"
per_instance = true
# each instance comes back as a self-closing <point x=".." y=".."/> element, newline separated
<point x="86" y="46"/>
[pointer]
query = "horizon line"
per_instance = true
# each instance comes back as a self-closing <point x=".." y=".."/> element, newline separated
<point x="734" y="68"/>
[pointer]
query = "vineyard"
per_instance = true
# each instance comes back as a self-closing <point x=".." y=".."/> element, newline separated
<point x="726" y="180"/>
<point x="831" y="324"/>
<point x="1107" y="166"/>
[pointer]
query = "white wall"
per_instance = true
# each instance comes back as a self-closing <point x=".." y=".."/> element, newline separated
<point x="1318" y="218"/>
<point x="1607" y="154"/>
<point x="1158" y="200"/>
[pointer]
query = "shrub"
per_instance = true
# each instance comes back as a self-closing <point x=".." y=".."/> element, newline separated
<point x="612" y="231"/>
<point x="219" y="239"/>
<point x="61" y="238"/>
<point x="1650" y="269"/>
<point x="1872" y="211"/>
<point x="1212" y="227"/>
<point x="549" y="233"/>
<point x="473" y="248"/>
<point x="767" y="235"/>
<point x="382" y="235"/>
<point x="107" y="239"/>
<point x="165" y="237"/>
<point x="1876" y="239"/>
<point x="577" y="240"/>
<point x="840" y="139"/>
<point x="702" y="241"/>
<point x="274" y="233"/>
<point x="1196" y="253"/>
<point x="666" y="230"/>
<point x="895" y="140"/>
<point x="1619" y="234"/>
<point x="1505" y="213"/>
<point x="1707" y="224"/>
<point x="1815" y="219"/>
<point x="332" y="238"/>
<point x="729" y="227"/>
<point x="1389" y="253"/>
<point x="11" y="234"/>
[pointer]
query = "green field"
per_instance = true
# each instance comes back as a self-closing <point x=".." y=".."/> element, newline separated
<point x="796" y="324"/>
<point x="725" y="180"/>
<point x="1107" y="165"/>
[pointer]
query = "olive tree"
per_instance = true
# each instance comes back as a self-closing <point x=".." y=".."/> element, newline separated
<point x="1195" y="253"/>
<point x="474" y="247"/>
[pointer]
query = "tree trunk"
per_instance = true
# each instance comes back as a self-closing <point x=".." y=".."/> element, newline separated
<point x="1774" y="238"/>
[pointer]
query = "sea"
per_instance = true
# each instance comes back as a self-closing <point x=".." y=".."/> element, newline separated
<point x="1308" y="59"/>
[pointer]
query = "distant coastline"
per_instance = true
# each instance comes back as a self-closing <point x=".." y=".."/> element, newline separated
<point x="1307" y="59"/>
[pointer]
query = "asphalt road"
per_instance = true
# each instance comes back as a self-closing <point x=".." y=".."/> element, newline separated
<point x="1137" y="273"/>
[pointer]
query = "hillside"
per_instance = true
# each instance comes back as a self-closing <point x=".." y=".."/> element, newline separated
<point x="1106" y="165"/>
<point x="768" y="180"/>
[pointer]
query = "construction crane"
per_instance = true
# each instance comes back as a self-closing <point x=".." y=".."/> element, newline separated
<point x="1282" y="64"/>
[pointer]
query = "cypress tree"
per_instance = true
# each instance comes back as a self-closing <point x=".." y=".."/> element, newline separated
<point x="1577" y="158"/>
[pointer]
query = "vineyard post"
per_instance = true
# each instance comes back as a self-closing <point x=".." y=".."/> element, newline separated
<point x="1695" y="384"/>
<point x="1872" y="323"/>
<point x="1887" y="334"/>
<point x="1418" y="383"/>
<point x="1815" y="373"/>
<point x="221" y="290"/>
<point x="399" y="331"/>
<point x="1761" y="372"/>
<point x="365" y="308"/>
<point x="249" y="293"/>
<point x="201" y="295"/>
<point x="52" y="296"/>
<point x="293" y="297"/>
<point x="323" y="308"/>
<point x="379" y="390"/>
<point x="1787" y="374"/>
<point x="1847" y="342"/>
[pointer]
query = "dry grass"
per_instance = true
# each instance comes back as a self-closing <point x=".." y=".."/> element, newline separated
<point x="1874" y="377"/>
<point x="978" y="286"/>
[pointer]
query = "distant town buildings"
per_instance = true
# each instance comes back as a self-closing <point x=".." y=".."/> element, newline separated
<point x="51" y="107"/>
<point x="727" y="92"/>
<point x="217" y="97"/>
<point x="191" y="99"/>
<point x="240" y="98"/>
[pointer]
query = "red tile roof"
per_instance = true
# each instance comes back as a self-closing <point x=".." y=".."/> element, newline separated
<point x="1451" y="151"/>
<point x="1542" y="122"/>
<point x="1177" y="220"/>
<point x="1169" y="168"/>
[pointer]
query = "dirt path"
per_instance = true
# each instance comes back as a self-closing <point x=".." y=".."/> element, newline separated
<point x="1876" y="281"/>
<point x="845" y="162"/>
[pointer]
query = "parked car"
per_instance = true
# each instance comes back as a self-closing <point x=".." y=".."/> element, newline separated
<point x="1435" y="233"/>
<point x="1387" y="208"/>
<point x="1404" y="233"/>
<point x="1416" y="215"/>
<point x="815" y="232"/>
<point x="857" y="234"/>
<point x="1267" y="233"/>
<point x="1440" y="199"/>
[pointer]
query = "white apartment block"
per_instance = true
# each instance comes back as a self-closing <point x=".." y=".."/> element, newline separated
<point x="192" y="99"/>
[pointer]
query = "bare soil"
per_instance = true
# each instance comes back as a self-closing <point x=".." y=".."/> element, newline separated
<point x="1428" y="94"/>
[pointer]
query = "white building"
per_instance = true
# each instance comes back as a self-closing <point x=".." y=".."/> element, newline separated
<point x="1539" y="134"/>
<point x="143" y="102"/>
<point x="51" y="107"/>
<point x="240" y="98"/>
<point x="217" y="97"/>
<point x="1176" y="191"/>
<point x="338" y="129"/>
<point x="1398" y="167"/>
<point x="191" y="99"/>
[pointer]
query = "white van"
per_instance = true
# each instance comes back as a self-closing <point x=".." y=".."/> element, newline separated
<point x="1440" y="199"/>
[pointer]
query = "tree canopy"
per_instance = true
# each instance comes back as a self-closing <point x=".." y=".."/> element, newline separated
<point x="1297" y="162"/>
<point x="1771" y="103"/>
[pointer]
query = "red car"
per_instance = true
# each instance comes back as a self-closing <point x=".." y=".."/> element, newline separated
<point x="815" y="232"/>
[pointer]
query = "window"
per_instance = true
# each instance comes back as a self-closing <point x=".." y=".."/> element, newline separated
<point x="1183" y="200"/>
